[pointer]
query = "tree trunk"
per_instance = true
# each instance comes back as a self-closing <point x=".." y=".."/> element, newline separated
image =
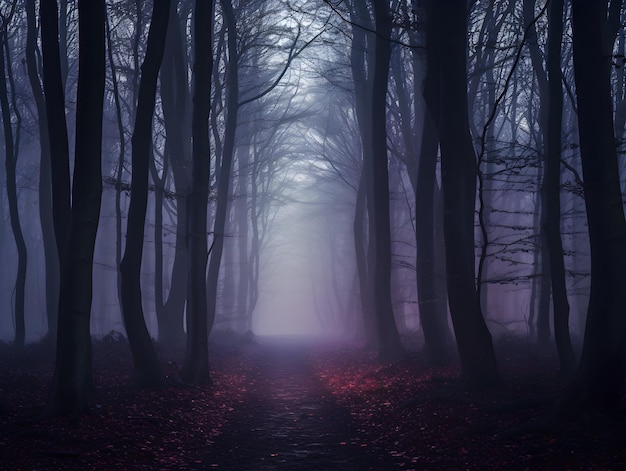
<point x="241" y="216"/>
<point x="599" y="381"/>
<point x="72" y="376"/>
<point x="551" y="192"/>
<point x="433" y="310"/>
<point x="175" y="100"/>
<point x="390" y="346"/>
<point x="51" y="256"/>
<point x="196" y="366"/>
<point x="57" y="128"/>
<point x="225" y="169"/>
<point x="147" y="369"/>
<point x="448" y="23"/>
<point x="11" y="151"/>
<point x="361" y="254"/>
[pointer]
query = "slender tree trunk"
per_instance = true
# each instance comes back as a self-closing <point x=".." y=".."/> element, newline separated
<point x="225" y="169"/>
<point x="57" y="128"/>
<point x="147" y="369"/>
<point x="542" y="285"/>
<point x="361" y="253"/>
<point x="433" y="310"/>
<point x="390" y="347"/>
<point x="551" y="192"/>
<point x="242" y="237"/>
<point x="72" y="376"/>
<point x="11" y="151"/>
<point x="448" y="23"/>
<point x="51" y="256"/>
<point x="362" y="68"/>
<point x="196" y="367"/>
<point x="599" y="381"/>
<point x="175" y="100"/>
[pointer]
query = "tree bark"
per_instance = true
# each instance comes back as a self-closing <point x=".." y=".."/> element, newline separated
<point x="447" y="22"/>
<point x="196" y="366"/>
<point x="551" y="192"/>
<point x="175" y="103"/>
<point x="147" y="369"/>
<point x="390" y="346"/>
<point x="362" y="68"/>
<point x="57" y="127"/>
<point x="598" y="384"/>
<point x="72" y="376"/>
<point x="51" y="256"/>
<point x="225" y="168"/>
<point x="11" y="152"/>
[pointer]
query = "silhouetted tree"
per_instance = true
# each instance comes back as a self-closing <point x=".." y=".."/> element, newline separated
<point x="224" y="170"/>
<point x="176" y="103"/>
<point x="196" y="367"/>
<point x="599" y="381"/>
<point x="390" y="347"/>
<point x="11" y="147"/>
<point x="551" y="213"/>
<point x="53" y="87"/>
<point x="147" y="369"/>
<point x="72" y="376"/>
<point x="447" y="29"/>
<point x="51" y="256"/>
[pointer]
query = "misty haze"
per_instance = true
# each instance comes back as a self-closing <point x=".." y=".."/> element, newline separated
<point x="312" y="234"/>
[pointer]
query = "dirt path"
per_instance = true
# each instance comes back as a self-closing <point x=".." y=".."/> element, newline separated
<point x="288" y="421"/>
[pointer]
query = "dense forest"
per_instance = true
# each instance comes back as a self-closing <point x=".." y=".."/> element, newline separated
<point x="433" y="181"/>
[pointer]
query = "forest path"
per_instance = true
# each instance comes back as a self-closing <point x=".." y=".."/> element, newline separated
<point x="288" y="421"/>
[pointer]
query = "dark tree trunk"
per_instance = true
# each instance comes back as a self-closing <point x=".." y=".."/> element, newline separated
<point x="147" y="369"/>
<point x="599" y="381"/>
<point x="72" y="376"/>
<point x="362" y="68"/>
<point x="551" y="192"/>
<point x="175" y="101"/>
<point x="433" y="309"/>
<point x="11" y="151"/>
<point x="421" y="167"/>
<point x="448" y="23"/>
<point x="390" y="346"/>
<point x="120" y="162"/>
<point x="241" y="209"/>
<point x="57" y="127"/>
<point x="361" y="253"/>
<point x="225" y="168"/>
<point x="432" y="306"/>
<point x="196" y="367"/>
<point x="51" y="256"/>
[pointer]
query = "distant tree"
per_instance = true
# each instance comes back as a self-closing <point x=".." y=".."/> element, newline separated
<point x="598" y="384"/>
<point x="196" y="366"/>
<point x="72" y="376"/>
<point x="147" y="369"/>
<point x="11" y="147"/>
<point x="447" y="29"/>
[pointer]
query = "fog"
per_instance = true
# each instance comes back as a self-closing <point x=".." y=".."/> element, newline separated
<point x="289" y="263"/>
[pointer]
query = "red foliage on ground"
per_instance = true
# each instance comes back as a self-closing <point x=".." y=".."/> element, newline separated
<point x="422" y="418"/>
<point x="266" y="398"/>
<point x="167" y="428"/>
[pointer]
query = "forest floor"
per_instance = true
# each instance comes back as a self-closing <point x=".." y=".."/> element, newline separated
<point x="295" y="404"/>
